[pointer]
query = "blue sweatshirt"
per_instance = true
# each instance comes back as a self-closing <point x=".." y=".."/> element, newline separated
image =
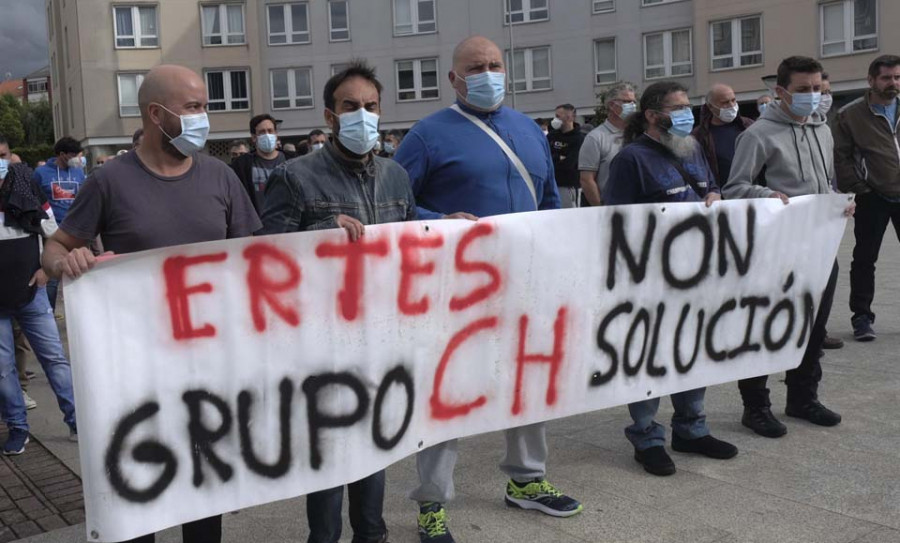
<point x="642" y="173"/>
<point x="60" y="184"/>
<point x="454" y="166"/>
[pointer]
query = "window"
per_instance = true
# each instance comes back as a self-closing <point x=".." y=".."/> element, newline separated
<point x="223" y="24"/>
<point x="338" y="68"/>
<point x="417" y="80"/>
<point x="605" y="61"/>
<point x="532" y="69"/>
<point x="667" y="54"/>
<point x="292" y="88"/>
<point x="655" y="2"/>
<point x="849" y="26"/>
<point x="288" y="23"/>
<point x="414" y="17"/>
<point x="35" y="87"/>
<point x="128" y="94"/>
<point x="136" y="26"/>
<point x="526" y="11"/>
<point x="338" y="20"/>
<point x="228" y="90"/>
<point x="736" y="43"/>
<point x="601" y="6"/>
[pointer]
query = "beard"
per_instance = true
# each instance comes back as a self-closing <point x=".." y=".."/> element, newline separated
<point x="889" y="93"/>
<point x="680" y="147"/>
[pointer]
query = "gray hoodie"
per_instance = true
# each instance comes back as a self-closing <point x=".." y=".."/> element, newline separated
<point x="794" y="158"/>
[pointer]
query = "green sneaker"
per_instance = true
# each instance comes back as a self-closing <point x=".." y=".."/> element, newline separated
<point x="541" y="496"/>
<point x="433" y="523"/>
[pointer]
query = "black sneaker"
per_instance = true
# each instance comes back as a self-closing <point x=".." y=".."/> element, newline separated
<point x="540" y="495"/>
<point x="433" y="523"/>
<point x="814" y="412"/>
<point x="655" y="460"/>
<point x="15" y="443"/>
<point x="832" y="343"/>
<point x="763" y="422"/>
<point x="862" y="328"/>
<point x="707" y="446"/>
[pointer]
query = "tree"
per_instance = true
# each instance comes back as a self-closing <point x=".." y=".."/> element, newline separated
<point x="11" y="127"/>
<point x="37" y="120"/>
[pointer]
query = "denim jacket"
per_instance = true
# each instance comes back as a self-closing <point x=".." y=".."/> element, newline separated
<point x="308" y="193"/>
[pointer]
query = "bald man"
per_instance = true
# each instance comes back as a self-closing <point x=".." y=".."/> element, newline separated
<point x="459" y="169"/>
<point x="720" y="124"/>
<point x="164" y="193"/>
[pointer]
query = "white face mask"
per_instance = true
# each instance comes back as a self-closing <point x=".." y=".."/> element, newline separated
<point x="556" y="123"/>
<point x="266" y="142"/>
<point x="317" y="146"/>
<point x="728" y="114"/>
<point x="194" y="131"/>
<point x="78" y="162"/>
<point x="825" y="104"/>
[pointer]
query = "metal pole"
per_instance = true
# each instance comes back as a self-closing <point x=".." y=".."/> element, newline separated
<point x="512" y="52"/>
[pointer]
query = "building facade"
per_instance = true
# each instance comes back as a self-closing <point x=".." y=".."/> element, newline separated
<point x="274" y="56"/>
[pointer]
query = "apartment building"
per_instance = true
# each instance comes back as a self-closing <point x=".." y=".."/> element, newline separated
<point x="274" y="56"/>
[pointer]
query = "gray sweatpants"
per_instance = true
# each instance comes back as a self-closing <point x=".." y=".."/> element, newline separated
<point x="526" y="459"/>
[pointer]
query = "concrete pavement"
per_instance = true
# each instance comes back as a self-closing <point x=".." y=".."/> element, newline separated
<point x="824" y="485"/>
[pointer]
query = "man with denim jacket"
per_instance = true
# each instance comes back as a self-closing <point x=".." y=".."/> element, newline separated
<point x="345" y="185"/>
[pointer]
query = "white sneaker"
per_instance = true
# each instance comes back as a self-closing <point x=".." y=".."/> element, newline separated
<point x="29" y="401"/>
<point x="73" y="435"/>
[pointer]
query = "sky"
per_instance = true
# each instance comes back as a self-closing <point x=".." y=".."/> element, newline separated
<point x="23" y="37"/>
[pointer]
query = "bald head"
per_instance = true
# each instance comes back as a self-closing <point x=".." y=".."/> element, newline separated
<point x="175" y="87"/>
<point x="721" y="97"/>
<point x="718" y="92"/>
<point x="476" y="54"/>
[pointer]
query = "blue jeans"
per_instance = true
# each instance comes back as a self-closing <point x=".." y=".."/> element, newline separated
<point x="52" y="288"/>
<point x="39" y="326"/>
<point x="366" y="497"/>
<point x="689" y="421"/>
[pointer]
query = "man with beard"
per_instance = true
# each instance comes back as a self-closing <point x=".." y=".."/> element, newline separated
<point x="662" y="163"/>
<point x="867" y="162"/>
<point x="164" y="193"/>
<point x="789" y="152"/>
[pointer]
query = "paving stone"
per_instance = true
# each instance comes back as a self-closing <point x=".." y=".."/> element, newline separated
<point x="50" y="523"/>
<point x="74" y="517"/>
<point x="6" y="503"/>
<point x="18" y="492"/>
<point x="6" y="535"/>
<point x="11" y="517"/>
<point x="64" y="493"/>
<point x="26" y="529"/>
<point x="29" y="504"/>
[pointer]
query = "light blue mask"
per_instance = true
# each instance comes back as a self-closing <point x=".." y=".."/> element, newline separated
<point x="628" y="109"/>
<point x="389" y="148"/>
<point x="266" y="143"/>
<point x="682" y="123"/>
<point x="486" y="90"/>
<point x="359" y="131"/>
<point x="4" y="168"/>
<point x="803" y="104"/>
<point x="194" y="131"/>
<point x="762" y="107"/>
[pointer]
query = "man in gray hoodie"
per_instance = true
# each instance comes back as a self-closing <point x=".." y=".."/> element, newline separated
<point x="789" y="152"/>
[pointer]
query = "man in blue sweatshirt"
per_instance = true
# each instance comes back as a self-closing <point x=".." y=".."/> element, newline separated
<point x="459" y="168"/>
<point x="662" y="163"/>
<point x="61" y="178"/>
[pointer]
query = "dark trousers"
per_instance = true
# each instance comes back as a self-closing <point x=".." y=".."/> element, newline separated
<point x="366" y="497"/>
<point x="873" y="213"/>
<point x="208" y="530"/>
<point x="803" y="381"/>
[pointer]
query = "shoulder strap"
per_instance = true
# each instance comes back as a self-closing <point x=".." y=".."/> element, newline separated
<point x="505" y="148"/>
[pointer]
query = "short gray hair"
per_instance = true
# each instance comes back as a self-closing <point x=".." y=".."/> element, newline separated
<point x="616" y="90"/>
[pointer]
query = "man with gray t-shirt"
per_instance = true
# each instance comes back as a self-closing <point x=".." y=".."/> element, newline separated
<point x="603" y="143"/>
<point x="164" y="193"/>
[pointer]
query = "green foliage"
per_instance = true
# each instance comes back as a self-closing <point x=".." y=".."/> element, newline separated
<point x="26" y="124"/>
<point x="31" y="155"/>
<point x="11" y="120"/>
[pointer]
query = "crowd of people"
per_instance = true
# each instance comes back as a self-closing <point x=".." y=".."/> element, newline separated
<point x="477" y="158"/>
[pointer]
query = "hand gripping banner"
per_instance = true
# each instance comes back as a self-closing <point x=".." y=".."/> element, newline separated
<point x="218" y="376"/>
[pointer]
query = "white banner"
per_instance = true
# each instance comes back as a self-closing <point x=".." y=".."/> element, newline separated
<point x="219" y="376"/>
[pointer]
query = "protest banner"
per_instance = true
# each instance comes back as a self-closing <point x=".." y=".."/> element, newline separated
<point x="218" y="376"/>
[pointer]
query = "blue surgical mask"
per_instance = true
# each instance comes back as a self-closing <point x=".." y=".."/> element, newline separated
<point x="4" y="168"/>
<point x="682" y="122"/>
<point x="389" y="148"/>
<point x="628" y="109"/>
<point x="266" y="142"/>
<point x="803" y="104"/>
<point x="194" y="131"/>
<point x="762" y="107"/>
<point x="485" y="90"/>
<point x="359" y="131"/>
<point x="77" y="162"/>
